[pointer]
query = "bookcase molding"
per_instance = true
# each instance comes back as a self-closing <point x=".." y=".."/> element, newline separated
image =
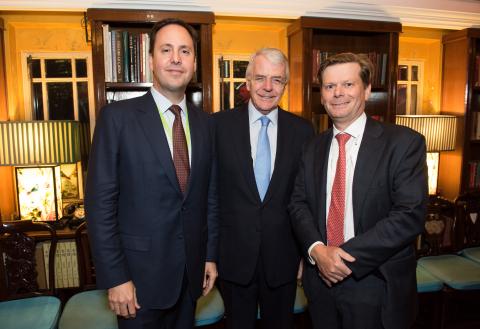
<point x="143" y="20"/>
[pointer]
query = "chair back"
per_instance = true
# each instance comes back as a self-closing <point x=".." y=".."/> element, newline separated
<point x="438" y="236"/>
<point x="18" y="265"/>
<point x="467" y="212"/>
<point x="86" y="267"/>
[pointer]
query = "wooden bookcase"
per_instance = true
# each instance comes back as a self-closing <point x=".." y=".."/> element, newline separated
<point x="199" y="90"/>
<point x="312" y="38"/>
<point x="461" y="97"/>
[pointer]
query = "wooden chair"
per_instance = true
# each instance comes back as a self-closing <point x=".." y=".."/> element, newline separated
<point x="468" y="216"/>
<point x="460" y="276"/>
<point x="23" y="304"/>
<point x="89" y="308"/>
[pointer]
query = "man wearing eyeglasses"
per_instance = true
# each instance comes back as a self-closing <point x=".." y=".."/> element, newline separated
<point x="258" y="147"/>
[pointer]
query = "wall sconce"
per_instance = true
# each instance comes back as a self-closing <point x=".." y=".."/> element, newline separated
<point x="440" y="133"/>
<point x="36" y="148"/>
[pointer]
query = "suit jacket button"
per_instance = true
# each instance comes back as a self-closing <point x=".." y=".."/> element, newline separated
<point x="180" y="236"/>
<point x="184" y="208"/>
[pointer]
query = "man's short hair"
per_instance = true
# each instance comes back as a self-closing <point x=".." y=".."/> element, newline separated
<point x="274" y="55"/>
<point x="172" y="21"/>
<point x="366" y="66"/>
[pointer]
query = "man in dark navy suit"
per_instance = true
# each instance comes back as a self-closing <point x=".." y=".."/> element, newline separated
<point x="258" y="146"/>
<point x="358" y="204"/>
<point x="151" y="197"/>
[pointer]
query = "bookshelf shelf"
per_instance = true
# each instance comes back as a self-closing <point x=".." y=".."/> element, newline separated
<point x="120" y="53"/>
<point x="312" y="39"/>
<point x="127" y="85"/>
<point x="459" y="169"/>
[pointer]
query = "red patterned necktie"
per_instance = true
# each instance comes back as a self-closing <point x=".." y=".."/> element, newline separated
<point x="180" y="149"/>
<point x="336" y="212"/>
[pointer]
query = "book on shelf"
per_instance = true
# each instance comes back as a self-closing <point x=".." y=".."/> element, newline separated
<point x="474" y="175"/>
<point x="107" y="52"/>
<point x="66" y="264"/>
<point x="125" y="55"/>
<point x="475" y="125"/>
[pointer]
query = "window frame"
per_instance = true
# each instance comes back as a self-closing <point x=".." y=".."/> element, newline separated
<point x="409" y="83"/>
<point x="27" y="101"/>
<point x="231" y="80"/>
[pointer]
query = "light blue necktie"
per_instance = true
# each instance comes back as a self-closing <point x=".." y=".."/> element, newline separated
<point x="262" y="159"/>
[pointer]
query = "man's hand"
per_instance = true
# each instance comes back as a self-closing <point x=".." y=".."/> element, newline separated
<point x="330" y="263"/>
<point x="123" y="300"/>
<point x="209" y="277"/>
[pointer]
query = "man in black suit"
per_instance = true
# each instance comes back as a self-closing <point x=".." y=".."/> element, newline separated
<point x="258" y="148"/>
<point x="151" y="196"/>
<point x="358" y="204"/>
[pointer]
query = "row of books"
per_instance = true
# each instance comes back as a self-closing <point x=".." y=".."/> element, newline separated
<point x="476" y="125"/>
<point x="66" y="264"/>
<point x="126" y="55"/>
<point x="379" y="60"/>
<point x="474" y="174"/>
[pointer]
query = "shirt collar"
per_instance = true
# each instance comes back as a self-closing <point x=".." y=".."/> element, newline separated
<point x="355" y="129"/>
<point x="254" y="115"/>
<point x="163" y="103"/>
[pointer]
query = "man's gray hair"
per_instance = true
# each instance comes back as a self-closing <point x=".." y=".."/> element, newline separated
<point x="274" y="56"/>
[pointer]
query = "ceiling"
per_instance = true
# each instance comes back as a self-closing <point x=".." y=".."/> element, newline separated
<point x="445" y="14"/>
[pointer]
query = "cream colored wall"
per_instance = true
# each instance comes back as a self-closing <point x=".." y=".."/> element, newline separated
<point x="243" y="36"/>
<point x="32" y="32"/>
<point x="425" y="45"/>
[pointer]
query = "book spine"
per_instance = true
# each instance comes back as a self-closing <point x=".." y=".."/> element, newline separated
<point x="119" y="55"/>
<point x="46" y="258"/>
<point x="107" y="55"/>
<point x="126" y="57"/>
<point x="131" y="56"/>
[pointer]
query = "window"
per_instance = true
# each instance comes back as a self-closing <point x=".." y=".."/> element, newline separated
<point x="230" y="88"/>
<point x="409" y="87"/>
<point x="58" y="87"/>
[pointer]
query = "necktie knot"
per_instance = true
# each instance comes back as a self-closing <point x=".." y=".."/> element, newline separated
<point x="175" y="109"/>
<point x="265" y="121"/>
<point x="342" y="138"/>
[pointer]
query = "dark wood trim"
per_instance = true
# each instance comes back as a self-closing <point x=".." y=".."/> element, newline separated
<point x="344" y="24"/>
<point x="147" y="16"/>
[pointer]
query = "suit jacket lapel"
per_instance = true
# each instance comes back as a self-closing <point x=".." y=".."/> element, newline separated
<point x="241" y="139"/>
<point x="151" y="124"/>
<point x="284" y="140"/>
<point x="369" y="156"/>
<point x="320" y="177"/>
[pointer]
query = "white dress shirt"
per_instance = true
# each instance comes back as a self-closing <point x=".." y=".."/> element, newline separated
<point x="255" y="126"/>
<point x="163" y="105"/>
<point x="355" y="130"/>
